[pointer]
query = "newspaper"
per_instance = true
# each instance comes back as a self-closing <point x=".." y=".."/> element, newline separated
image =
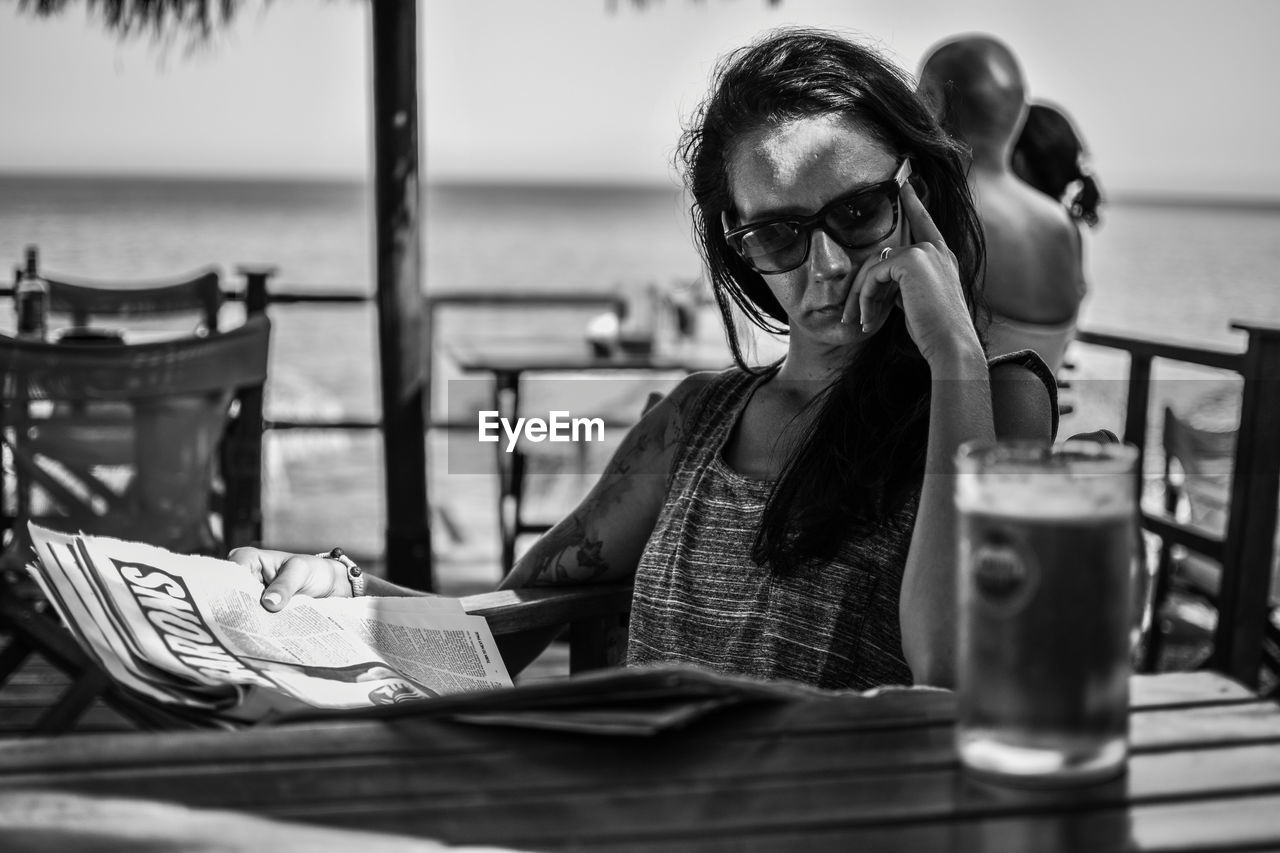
<point x="189" y="631"/>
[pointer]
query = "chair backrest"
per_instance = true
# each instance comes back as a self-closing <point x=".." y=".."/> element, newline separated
<point x="84" y="302"/>
<point x="1197" y="470"/>
<point x="124" y="440"/>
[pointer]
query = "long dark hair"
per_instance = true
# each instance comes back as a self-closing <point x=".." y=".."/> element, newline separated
<point x="864" y="454"/>
<point x="1050" y="156"/>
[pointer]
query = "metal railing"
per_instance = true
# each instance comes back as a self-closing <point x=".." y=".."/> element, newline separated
<point x="257" y="295"/>
<point x="1247" y="548"/>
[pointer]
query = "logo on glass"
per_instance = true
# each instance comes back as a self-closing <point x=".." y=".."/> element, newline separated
<point x="1004" y="578"/>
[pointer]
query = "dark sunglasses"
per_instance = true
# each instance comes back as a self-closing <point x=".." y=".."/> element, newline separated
<point x="854" y="221"/>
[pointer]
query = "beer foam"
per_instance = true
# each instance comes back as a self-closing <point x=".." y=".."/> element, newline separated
<point x="1050" y="494"/>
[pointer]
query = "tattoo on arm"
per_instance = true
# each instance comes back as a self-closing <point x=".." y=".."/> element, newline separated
<point x="655" y="439"/>
<point x="590" y="559"/>
<point x="568" y="553"/>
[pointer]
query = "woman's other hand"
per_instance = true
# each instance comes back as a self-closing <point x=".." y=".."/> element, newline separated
<point x="923" y="279"/>
<point x="285" y="575"/>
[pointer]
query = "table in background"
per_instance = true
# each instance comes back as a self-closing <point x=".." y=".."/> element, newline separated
<point x="839" y="773"/>
<point x="510" y="361"/>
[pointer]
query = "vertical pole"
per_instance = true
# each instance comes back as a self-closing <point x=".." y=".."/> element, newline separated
<point x="243" y="446"/>
<point x="256" y="278"/>
<point x="397" y="263"/>
<point x="1243" y="599"/>
<point x="1135" y="418"/>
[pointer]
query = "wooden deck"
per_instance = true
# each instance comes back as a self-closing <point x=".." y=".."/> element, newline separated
<point x="34" y="688"/>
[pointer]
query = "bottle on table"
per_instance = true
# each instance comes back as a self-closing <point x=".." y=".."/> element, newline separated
<point x="640" y="322"/>
<point x="31" y="299"/>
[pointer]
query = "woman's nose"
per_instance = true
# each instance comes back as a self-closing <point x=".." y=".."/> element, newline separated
<point x="827" y="258"/>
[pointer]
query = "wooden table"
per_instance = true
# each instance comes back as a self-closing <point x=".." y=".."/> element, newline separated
<point x="510" y="361"/>
<point x="837" y="773"/>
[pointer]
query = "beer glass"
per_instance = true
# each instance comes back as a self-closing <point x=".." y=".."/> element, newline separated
<point x="1047" y="548"/>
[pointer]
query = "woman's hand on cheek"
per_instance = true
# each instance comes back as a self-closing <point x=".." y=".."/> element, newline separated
<point x="923" y="279"/>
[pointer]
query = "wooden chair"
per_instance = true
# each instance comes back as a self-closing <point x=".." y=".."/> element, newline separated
<point x="84" y="302"/>
<point x="1063" y="380"/>
<point x="596" y="616"/>
<point x="1196" y="476"/>
<point x="143" y="442"/>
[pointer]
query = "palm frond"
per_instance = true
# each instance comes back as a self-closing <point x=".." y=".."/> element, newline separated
<point x="198" y="19"/>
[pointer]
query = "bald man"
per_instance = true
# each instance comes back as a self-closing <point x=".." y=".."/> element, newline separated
<point x="1034" y="277"/>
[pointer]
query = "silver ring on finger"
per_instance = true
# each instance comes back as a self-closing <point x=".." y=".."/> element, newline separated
<point x="884" y="253"/>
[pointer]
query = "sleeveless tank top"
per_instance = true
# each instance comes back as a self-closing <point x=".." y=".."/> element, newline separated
<point x="700" y="598"/>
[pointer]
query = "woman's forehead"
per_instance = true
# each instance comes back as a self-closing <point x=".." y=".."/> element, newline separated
<point x="800" y="165"/>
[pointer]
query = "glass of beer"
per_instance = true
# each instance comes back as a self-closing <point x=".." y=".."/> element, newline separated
<point x="1047" y="567"/>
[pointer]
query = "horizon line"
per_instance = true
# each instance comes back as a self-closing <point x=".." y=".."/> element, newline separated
<point x="341" y="178"/>
<point x="1140" y="197"/>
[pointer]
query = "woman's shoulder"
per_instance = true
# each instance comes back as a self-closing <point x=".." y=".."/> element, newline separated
<point x="706" y="385"/>
<point x="695" y="407"/>
<point x="1023" y="361"/>
<point x="1023" y="390"/>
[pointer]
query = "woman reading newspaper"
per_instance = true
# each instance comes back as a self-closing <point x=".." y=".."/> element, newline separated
<point x="796" y="521"/>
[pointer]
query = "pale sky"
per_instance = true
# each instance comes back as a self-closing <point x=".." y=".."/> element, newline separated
<point x="1173" y="96"/>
